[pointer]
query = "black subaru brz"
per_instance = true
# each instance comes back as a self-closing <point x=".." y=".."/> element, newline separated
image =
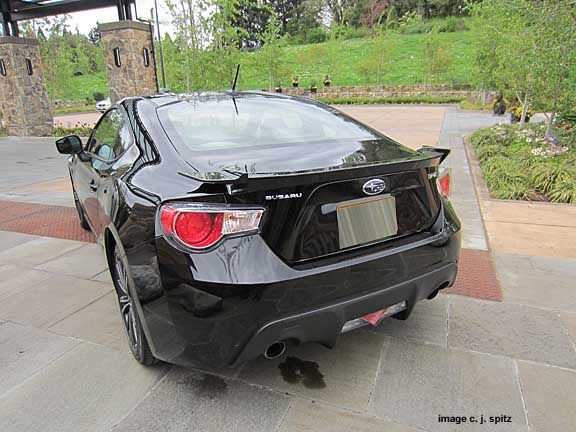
<point x="236" y="224"/>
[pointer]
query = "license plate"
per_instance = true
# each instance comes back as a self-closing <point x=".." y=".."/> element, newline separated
<point x="366" y="221"/>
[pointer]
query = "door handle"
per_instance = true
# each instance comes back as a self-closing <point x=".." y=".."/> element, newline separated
<point x="93" y="186"/>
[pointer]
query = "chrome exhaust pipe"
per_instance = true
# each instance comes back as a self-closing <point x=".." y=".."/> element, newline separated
<point x="275" y="350"/>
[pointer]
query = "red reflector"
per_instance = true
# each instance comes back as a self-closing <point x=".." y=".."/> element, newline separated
<point x="199" y="229"/>
<point x="374" y="318"/>
<point x="444" y="184"/>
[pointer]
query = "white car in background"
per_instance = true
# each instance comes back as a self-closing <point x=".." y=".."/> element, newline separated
<point x="103" y="105"/>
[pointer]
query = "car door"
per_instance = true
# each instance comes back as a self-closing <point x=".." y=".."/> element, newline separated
<point x="118" y="160"/>
<point x="101" y="151"/>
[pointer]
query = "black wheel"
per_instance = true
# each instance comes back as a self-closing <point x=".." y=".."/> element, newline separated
<point x="80" y="212"/>
<point x="132" y="324"/>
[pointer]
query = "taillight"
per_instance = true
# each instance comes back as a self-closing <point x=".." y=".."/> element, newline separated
<point x="201" y="226"/>
<point x="443" y="180"/>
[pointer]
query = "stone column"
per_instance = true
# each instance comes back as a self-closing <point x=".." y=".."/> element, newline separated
<point x="129" y="56"/>
<point x="24" y="104"/>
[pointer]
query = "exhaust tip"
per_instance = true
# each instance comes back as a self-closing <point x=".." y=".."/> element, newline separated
<point x="275" y="350"/>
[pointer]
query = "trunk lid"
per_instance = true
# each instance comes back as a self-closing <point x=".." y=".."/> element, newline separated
<point x="304" y="210"/>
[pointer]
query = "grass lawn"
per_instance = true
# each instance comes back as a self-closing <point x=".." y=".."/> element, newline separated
<point x="522" y="164"/>
<point x="81" y="87"/>
<point x="76" y="109"/>
<point x="343" y="61"/>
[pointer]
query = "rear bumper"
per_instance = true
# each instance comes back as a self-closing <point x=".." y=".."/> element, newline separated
<point x="324" y="325"/>
<point x="224" y="307"/>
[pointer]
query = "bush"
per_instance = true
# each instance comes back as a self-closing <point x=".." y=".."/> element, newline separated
<point x="450" y="25"/>
<point x="98" y="96"/>
<point x="392" y="100"/>
<point x="317" y="35"/>
<point x="83" y="130"/>
<point x="346" y="32"/>
<point x="417" y="27"/>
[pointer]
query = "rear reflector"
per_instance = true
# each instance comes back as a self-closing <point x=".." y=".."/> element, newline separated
<point x="444" y="181"/>
<point x="374" y="318"/>
<point x="200" y="227"/>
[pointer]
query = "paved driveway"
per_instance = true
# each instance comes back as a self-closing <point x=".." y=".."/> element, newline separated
<point x="64" y="365"/>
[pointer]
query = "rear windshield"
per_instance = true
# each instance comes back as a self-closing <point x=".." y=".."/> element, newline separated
<point x="255" y="121"/>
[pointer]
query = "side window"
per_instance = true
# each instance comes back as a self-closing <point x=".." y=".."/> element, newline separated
<point x="111" y="137"/>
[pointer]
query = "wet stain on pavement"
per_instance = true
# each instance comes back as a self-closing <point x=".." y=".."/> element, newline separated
<point x="295" y="370"/>
<point x="209" y="386"/>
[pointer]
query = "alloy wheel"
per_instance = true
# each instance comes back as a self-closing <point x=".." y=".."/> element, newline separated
<point x="126" y="303"/>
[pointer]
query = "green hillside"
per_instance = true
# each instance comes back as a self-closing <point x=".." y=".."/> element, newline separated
<point x="347" y="62"/>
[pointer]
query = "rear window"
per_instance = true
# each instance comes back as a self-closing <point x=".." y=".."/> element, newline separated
<point x="254" y="121"/>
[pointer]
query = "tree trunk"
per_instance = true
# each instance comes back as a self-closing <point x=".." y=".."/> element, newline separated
<point x="552" y="116"/>
<point x="524" y="111"/>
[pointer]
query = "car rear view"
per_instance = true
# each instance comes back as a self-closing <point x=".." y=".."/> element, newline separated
<point x="300" y="224"/>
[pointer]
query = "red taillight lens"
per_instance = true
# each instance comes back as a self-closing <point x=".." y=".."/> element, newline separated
<point x="191" y="225"/>
<point x="199" y="229"/>
<point x="444" y="182"/>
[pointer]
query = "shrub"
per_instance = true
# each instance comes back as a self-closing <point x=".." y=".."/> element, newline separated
<point x="564" y="190"/>
<point x="98" y="96"/>
<point x="83" y="130"/>
<point x="524" y="164"/>
<point x="317" y="35"/>
<point x="392" y="100"/>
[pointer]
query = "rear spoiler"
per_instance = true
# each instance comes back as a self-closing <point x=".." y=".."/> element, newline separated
<point x="236" y="182"/>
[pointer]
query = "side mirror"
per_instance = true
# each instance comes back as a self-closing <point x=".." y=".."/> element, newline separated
<point x="71" y="144"/>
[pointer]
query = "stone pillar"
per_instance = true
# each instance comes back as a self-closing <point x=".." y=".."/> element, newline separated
<point x="129" y="56"/>
<point x="24" y="104"/>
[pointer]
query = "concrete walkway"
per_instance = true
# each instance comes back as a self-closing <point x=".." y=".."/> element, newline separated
<point x="64" y="365"/>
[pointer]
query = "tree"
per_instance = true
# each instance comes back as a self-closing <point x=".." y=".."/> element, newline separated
<point x="252" y="17"/>
<point x="270" y="52"/>
<point x="376" y="63"/>
<point x="94" y="36"/>
<point x="437" y="57"/>
<point x="555" y="67"/>
<point x="285" y="11"/>
<point x="504" y="27"/>
<point x="528" y="48"/>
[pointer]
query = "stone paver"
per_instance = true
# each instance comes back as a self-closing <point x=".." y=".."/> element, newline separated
<point x="86" y="262"/>
<point x="514" y="330"/>
<point x="27" y="161"/>
<point x="570" y="322"/>
<point x="427" y="323"/>
<point x="397" y="121"/>
<point x="347" y="371"/>
<point x="38" y="251"/>
<point x="25" y="351"/>
<point x="14" y="279"/>
<point x="50" y="301"/>
<point x="311" y="416"/>
<point x="99" y="322"/>
<point x="550" y="395"/>
<point x="91" y="388"/>
<point x="418" y="382"/>
<point x="458" y="124"/>
<point x="189" y="400"/>
<point x="103" y="277"/>
<point x="10" y="239"/>
<point x="539" y="282"/>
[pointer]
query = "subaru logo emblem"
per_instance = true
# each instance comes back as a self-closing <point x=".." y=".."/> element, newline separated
<point x="374" y="186"/>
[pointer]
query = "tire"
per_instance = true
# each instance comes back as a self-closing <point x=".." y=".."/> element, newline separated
<point x="137" y="340"/>
<point x="80" y="211"/>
